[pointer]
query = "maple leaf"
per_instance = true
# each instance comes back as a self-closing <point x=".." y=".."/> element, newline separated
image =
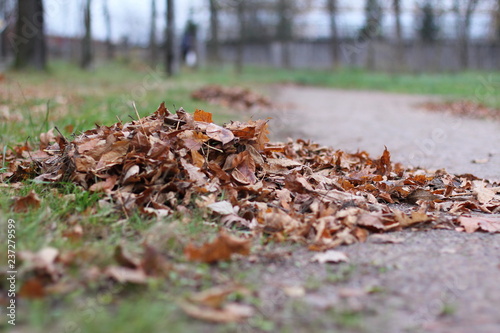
<point x="220" y="249"/>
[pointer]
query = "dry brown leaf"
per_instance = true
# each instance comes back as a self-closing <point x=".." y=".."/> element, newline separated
<point x="126" y="275"/>
<point x="220" y="249"/>
<point x="219" y="133"/>
<point x="23" y="204"/>
<point x="200" y="115"/>
<point x="229" y="313"/>
<point x="474" y="223"/>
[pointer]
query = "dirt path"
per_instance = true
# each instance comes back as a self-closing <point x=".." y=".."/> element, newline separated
<point x="434" y="281"/>
<point x="352" y="120"/>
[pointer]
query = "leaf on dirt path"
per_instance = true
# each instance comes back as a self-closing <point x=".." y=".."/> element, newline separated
<point x="385" y="239"/>
<point x="474" y="223"/>
<point x="415" y="217"/>
<point x="220" y="249"/>
<point x="24" y="204"/>
<point x="228" y="313"/>
<point x="383" y="164"/>
<point x="483" y="193"/>
<point x="215" y="296"/>
<point x="219" y="133"/>
<point x="200" y="115"/>
<point x="330" y="256"/>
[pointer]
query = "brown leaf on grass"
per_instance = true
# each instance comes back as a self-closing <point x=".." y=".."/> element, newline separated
<point x="200" y="115"/>
<point x="124" y="274"/>
<point x="23" y="204"/>
<point x="211" y="305"/>
<point x="220" y="249"/>
<point x="215" y="297"/>
<point x="32" y="288"/>
<point x="125" y="259"/>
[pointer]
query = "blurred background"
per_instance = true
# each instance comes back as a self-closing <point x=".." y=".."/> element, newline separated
<point x="386" y="35"/>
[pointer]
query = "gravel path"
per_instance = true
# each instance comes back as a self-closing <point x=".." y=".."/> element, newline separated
<point x="434" y="281"/>
<point x="352" y="120"/>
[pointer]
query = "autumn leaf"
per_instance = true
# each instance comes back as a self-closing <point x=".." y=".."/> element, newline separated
<point x="23" y="204"/>
<point x="219" y="133"/>
<point x="220" y="249"/>
<point x="200" y="115"/>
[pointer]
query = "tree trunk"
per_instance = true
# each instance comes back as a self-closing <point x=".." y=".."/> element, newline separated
<point x="334" y="34"/>
<point x="399" y="35"/>
<point x="153" y="47"/>
<point x="86" y="60"/>
<point x="29" y="40"/>
<point x="284" y="30"/>
<point x="169" y="45"/>
<point x="240" y="7"/>
<point x="214" y="32"/>
<point x="110" y="49"/>
<point x="464" y="30"/>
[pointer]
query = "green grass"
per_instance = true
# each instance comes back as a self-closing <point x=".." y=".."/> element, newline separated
<point x="74" y="101"/>
<point x="480" y="87"/>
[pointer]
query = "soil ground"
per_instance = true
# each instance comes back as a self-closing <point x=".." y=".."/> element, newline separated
<point x="435" y="280"/>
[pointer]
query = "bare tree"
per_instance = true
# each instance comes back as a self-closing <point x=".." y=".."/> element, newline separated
<point x="86" y="60"/>
<point x="214" y="31"/>
<point x="29" y="40"/>
<point x="170" y="36"/>
<point x="240" y="9"/>
<point x="371" y="29"/>
<point x="153" y="47"/>
<point x="464" y="11"/>
<point x="497" y="22"/>
<point x="284" y="29"/>
<point x="110" y="50"/>
<point x="332" y="7"/>
<point x="396" y="5"/>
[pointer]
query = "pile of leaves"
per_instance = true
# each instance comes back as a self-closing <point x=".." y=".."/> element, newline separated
<point x="299" y="191"/>
<point x="464" y="109"/>
<point x="237" y="98"/>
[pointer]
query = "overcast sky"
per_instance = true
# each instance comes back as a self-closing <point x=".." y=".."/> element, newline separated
<point x="128" y="17"/>
<point x="131" y="18"/>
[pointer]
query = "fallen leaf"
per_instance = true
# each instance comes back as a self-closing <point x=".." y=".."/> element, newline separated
<point x="219" y="133"/>
<point x="23" y="204"/>
<point x="222" y="207"/>
<point x="124" y="274"/>
<point x="330" y="256"/>
<point x="220" y="249"/>
<point x="385" y="239"/>
<point x="229" y="313"/>
<point x="200" y="115"/>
